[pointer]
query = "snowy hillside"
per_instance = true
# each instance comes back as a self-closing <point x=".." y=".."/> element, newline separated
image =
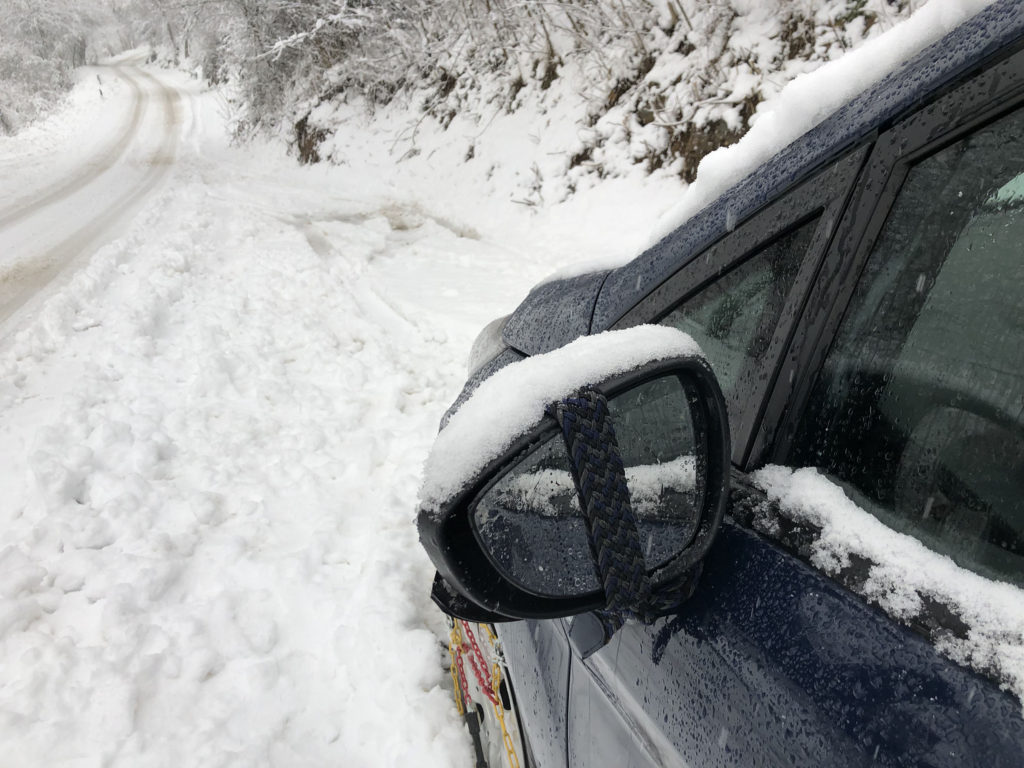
<point x="545" y="102"/>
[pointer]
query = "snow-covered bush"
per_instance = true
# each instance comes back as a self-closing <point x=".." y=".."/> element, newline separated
<point x="661" y="82"/>
<point x="665" y="81"/>
<point x="41" y="42"/>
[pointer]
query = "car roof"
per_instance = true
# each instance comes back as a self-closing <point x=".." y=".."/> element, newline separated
<point x="600" y="299"/>
<point x="982" y="37"/>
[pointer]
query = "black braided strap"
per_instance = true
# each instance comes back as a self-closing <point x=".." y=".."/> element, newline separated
<point x="601" y="484"/>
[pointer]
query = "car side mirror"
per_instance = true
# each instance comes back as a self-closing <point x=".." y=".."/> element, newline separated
<point x="606" y="496"/>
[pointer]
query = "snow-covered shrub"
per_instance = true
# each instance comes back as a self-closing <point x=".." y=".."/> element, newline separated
<point x="41" y="42"/>
<point x="663" y="82"/>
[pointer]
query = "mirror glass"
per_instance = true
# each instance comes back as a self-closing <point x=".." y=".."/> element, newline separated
<point x="530" y="522"/>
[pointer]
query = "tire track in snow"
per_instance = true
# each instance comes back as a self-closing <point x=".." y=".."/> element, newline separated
<point x="370" y="302"/>
<point x="92" y="168"/>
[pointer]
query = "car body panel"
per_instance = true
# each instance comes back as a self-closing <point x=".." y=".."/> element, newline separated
<point x="554" y="313"/>
<point x="538" y="659"/>
<point x="771" y="663"/>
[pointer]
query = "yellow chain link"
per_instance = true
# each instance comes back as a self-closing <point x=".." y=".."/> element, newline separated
<point x="510" y="748"/>
<point x="454" y="648"/>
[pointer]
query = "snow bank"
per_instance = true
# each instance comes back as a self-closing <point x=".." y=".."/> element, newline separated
<point x="512" y="401"/>
<point x="577" y="173"/>
<point x="210" y="447"/>
<point x="603" y="219"/>
<point x="903" y="570"/>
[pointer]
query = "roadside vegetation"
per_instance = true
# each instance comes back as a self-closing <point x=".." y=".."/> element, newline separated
<point x="41" y="44"/>
<point x="656" y="83"/>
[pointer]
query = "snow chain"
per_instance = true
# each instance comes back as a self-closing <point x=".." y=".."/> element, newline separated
<point x="458" y="647"/>
<point x="499" y="710"/>
<point x="458" y="672"/>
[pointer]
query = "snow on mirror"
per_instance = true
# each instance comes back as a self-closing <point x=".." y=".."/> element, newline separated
<point x="529" y="520"/>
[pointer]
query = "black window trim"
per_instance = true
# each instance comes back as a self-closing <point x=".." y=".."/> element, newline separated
<point x="979" y="101"/>
<point x="824" y="195"/>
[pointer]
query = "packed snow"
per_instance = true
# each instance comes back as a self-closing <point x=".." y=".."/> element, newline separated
<point x="512" y="401"/>
<point x="65" y="192"/>
<point x="44" y="152"/>
<point x="212" y="433"/>
<point x="211" y="439"/>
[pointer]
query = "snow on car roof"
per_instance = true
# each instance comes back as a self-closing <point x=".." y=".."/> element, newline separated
<point x="814" y="119"/>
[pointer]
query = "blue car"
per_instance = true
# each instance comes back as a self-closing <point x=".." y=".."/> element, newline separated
<point x="835" y="575"/>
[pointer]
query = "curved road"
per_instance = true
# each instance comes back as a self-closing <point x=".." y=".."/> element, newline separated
<point x="47" y="229"/>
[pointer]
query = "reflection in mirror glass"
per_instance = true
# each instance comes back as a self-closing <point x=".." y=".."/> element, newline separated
<point x="655" y="432"/>
<point x="530" y="521"/>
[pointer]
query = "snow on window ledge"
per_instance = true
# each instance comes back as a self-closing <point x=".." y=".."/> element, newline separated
<point x="904" y="573"/>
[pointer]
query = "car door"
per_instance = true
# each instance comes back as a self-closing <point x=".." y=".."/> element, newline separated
<point x="884" y="347"/>
<point x="538" y="652"/>
<point x="741" y="301"/>
<point x="538" y="657"/>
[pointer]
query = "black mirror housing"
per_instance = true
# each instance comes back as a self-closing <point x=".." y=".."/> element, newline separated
<point x="506" y="545"/>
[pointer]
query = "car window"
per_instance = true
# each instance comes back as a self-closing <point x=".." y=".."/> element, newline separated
<point x="919" y="408"/>
<point x="734" y="318"/>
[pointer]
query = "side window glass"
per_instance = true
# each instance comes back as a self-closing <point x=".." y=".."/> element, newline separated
<point x="919" y="408"/>
<point x="734" y="318"/>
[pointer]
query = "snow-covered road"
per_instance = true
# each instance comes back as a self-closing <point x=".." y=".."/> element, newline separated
<point x="58" y="201"/>
<point x="211" y="436"/>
